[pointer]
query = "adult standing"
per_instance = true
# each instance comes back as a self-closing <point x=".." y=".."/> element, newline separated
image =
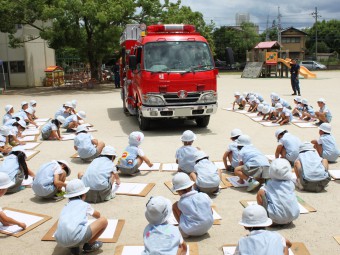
<point x="294" y="77"/>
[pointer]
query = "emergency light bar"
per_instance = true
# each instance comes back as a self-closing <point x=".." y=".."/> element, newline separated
<point x="171" y="28"/>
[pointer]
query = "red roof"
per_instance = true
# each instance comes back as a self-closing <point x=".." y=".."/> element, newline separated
<point x="53" y="68"/>
<point x="267" y="45"/>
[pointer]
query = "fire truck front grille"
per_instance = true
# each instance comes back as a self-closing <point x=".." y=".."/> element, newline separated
<point x="174" y="99"/>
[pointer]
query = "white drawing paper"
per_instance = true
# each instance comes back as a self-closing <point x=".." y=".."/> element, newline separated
<point x="170" y="167"/>
<point x="129" y="188"/>
<point x="219" y="164"/>
<point x="234" y="181"/>
<point x="68" y="137"/>
<point x="28" y="219"/>
<point x="145" y="167"/>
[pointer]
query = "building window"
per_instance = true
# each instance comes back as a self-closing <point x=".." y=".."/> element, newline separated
<point x="17" y="66"/>
<point x="291" y="40"/>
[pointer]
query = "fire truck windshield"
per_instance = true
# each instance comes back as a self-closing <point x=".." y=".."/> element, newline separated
<point x="180" y="56"/>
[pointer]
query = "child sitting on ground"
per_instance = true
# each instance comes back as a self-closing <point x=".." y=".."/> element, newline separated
<point x="15" y="166"/>
<point x="232" y="152"/>
<point x="87" y="147"/>
<point x="100" y="176"/>
<point x="311" y="170"/>
<point x="9" y="113"/>
<point x="193" y="210"/>
<point x="326" y="145"/>
<point x="284" y="116"/>
<point x="288" y="146"/>
<point x="50" y="179"/>
<point x="239" y="100"/>
<point x="260" y="241"/>
<point x="253" y="164"/>
<point x="5" y="148"/>
<point x="65" y="110"/>
<point x="5" y="183"/>
<point x="253" y="103"/>
<point x="33" y="105"/>
<point x="185" y="155"/>
<point x="206" y="174"/>
<point x="268" y="112"/>
<point x="72" y="230"/>
<point x="324" y="114"/>
<point x="297" y="111"/>
<point x="308" y="112"/>
<point x="73" y="121"/>
<point x="51" y="130"/>
<point x="277" y="195"/>
<point x="158" y="210"/>
<point x="133" y="156"/>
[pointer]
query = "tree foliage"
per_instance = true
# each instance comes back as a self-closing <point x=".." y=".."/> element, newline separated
<point x="92" y="27"/>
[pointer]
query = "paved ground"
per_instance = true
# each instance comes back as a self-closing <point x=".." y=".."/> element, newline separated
<point x="103" y="108"/>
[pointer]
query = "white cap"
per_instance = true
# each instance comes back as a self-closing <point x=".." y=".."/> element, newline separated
<point x="298" y="99"/>
<point x="181" y="181"/>
<point x="81" y="114"/>
<point x="280" y="169"/>
<point x="235" y="132"/>
<point x="8" y="108"/>
<point x="266" y="109"/>
<point x="158" y="210"/>
<point x="237" y="93"/>
<point x="5" y="181"/>
<point x="278" y="132"/>
<point x="136" y="138"/>
<point x="188" y="136"/>
<point x="304" y="101"/>
<point x="64" y="162"/>
<point x="243" y="140"/>
<point x="61" y="119"/>
<point x="22" y="123"/>
<point x="321" y="100"/>
<point x="33" y="102"/>
<point x="326" y="127"/>
<point x="68" y="104"/>
<point x="278" y="106"/>
<point x="306" y="146"/>
<point x="23" y="103"/>
<point x="81" y="128"/>
<point x="255" y="216"/>
<point x="29" y="110"/>
<point x="5" y="130"/>
<point x="260" y="107"/>
<point x="75" y="188"/>
<point x="200" y="155"/>
<point x="109" y="151"/>
<point x="74" y="103"/>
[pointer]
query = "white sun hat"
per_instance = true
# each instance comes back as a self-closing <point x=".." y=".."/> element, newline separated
<point x="237" y="93"/>
<point x="188" y="136"/>
<point x="109" y="151"/>
<point x="5" y="130"/>
<point x="81" y="128"/>
<point x="255" y="216"/>
<point x="29" y="110"/>
<point x="200" y="155"/>
<point x="276" y="97"/>
<point x="81" y="114"/>
<point x="298" y="99"/>
<point x="23" y="103"/>
<point x="321" y="100"/>
<point x="243" y="140"/>
<point x="61" y="119"/>
<point x="304" y="101"/>
<point x="278" y="132"/>
<point x="278" y="106"/>
<point x="68" y="171"/>
<point x="251" y="98"/>
<point x="266" y="109"/>
<point x="75" y="188"/>
<point x="326" y="127"/>
<point x="74" y="103"/>
<point x="181" y="181"/>
<point x="235" y="132"/>
<point x="136" y="138"/>
<point x="22" y="123"/>
<point x="158" y="210"/>
<point x="280" y="169"/>
<point x="260" y="107"/>
<point x="8" y="108"/>
<point x="306" y="146"/>
<point x="33" y="102"/>
<point x="5" y="181"/>
<point x="68" y="104"/>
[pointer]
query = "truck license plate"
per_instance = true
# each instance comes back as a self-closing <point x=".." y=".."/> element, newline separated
<point x="183" y="112"/>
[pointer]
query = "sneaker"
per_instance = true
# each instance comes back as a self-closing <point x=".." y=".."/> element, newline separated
<point x="92" y="247"/>
<point x="60" y="194"/>
<point x="253" y="185"/>
<point x="299" y="94"/>
<point x="75" y="250"/>
<point x="294" y="94"/>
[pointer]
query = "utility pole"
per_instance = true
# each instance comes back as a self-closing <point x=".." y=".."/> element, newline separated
<point x="279" y="25"/>
<point x="316" y="15"/>
<point x="267" y="29"/>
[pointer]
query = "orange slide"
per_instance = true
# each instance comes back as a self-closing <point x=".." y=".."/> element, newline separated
<point x="303" y="70"/>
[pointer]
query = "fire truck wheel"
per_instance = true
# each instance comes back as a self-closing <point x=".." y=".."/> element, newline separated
<point x="203" y="121"/>
<point x="144" y="123"/>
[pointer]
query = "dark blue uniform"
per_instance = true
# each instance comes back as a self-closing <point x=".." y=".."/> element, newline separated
<point x="294" y="78"/>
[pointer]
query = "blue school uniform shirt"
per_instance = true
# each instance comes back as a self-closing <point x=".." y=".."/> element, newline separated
<point x="287" y="113"/>
<point x="43" y="183"/>
<point x="284" y="103"/>
<point x="312" y="167"/>
<point x="207" y="174"/>
<point x="129" y="156"/>
<point x="161" y="239"/>
<point x="6" y="118"/>
<point x="48" y="127"/>
<point x="196" y="213"/>
<point x="10" y="166"/>
<point x="186" y="158"/>
<point x="98" y="173"/>
<point x="240" y="100"/>
<point x="21" y="114"/>
<point x="252" y="157"/>
<point x="261" y="242"/>
<point x="83" y="141"/>
<point x="330" y="150"/>
<point x="233" y="148"/>
<point x="283" y="206"/>
<point x="72" y="222"/>
<point x="69" y="119"/>
<point x="325" y="109"/>
<point x="61" y="112"/>
<point x="2" y="140"/>
<point x="291" y="143"/>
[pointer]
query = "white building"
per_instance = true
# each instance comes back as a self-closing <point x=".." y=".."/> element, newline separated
<point x="24" y="66"/>
<point x="242" y="17"/>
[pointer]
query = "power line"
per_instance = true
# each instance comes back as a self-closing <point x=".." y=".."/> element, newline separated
<point x="316" y="16"/>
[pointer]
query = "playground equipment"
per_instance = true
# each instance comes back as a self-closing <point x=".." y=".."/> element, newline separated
<point x="303" y="70"/>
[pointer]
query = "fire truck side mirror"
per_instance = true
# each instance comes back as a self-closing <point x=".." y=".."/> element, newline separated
<point x="132" y="62"/>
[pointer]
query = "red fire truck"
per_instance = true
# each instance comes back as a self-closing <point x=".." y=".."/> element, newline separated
<point x="167" y="71"/>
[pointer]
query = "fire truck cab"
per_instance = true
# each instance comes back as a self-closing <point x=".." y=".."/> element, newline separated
<point x="167" y="71"/>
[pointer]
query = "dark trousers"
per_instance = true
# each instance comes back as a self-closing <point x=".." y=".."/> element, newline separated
<point x="295" y="84"/>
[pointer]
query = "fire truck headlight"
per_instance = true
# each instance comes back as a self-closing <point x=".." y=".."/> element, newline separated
<point x="210" y="97"/>
<point x="153" y="100"/>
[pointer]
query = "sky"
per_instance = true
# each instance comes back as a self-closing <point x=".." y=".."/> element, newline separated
<point x="296" y="13"/>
